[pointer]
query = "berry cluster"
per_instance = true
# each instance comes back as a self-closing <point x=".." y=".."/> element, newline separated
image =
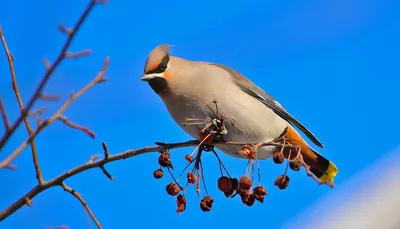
<point x="211" y="134"/>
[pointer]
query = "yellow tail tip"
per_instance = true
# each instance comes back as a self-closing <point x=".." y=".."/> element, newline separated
<point x="331" y="172"/>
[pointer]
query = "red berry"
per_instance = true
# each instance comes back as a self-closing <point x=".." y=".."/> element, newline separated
<point x="206" y="203"/>
<point x="245" y="182"/>
<point x="224" y="184"/>
<point x="282" y="181"/>
<point x="181" y="203"/>
<point x="259" y="193"/>
<point x="158" y="173"/>
<point x="173" y="189"/>
<point x="164" y="160"/>
<point x="191" y="178"/>
<point x="295" y="164"/>
<point x="278" y="157"/>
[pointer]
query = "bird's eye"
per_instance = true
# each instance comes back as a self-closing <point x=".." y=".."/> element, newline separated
<point x="163" y="66"/>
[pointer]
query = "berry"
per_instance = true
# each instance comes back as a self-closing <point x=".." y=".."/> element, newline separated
<point x="295" y="164"/>
<point x="164" y="159"/>
<point x="229" y="193"/>
<point x="181" y="203"/>
<point x="206" y="203"/>
<point x="189" y="158"/>
<point x="235" y="183"/>
<point x="243" y="192"/>
<point x="158" y="173"/>
<point x="191" y="178"/>
<point x="278" y="157"/>
<point x="224" y="184"/>
<point x="250" y="200"/>
<point x="259" y="192"/>
<point x="282" y="181"/>
<point x="245" y="183"/>
<point x="173" y="189"/>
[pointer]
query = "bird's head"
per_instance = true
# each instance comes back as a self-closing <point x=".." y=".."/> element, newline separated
<point x="157" y="69"/>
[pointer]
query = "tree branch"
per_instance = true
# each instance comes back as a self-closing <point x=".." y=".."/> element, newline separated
<point x="3" y="112"/>
<point x="98" y="79"/>
<point x="39" y="175"/>
<point x="61" y="56"/>
<point x="100" y="164"/>
<point x="83" y="202"/>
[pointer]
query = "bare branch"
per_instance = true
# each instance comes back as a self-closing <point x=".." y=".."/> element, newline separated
<point x="3" y="112"/>
<point x="39" y="175"/>
<point x="11" y="166"/>
<point x="87" y="166"/>
<point x="98" y="164"/>
<point x="86" y="130"/>
<point x="106" y="173"/>
<point x="54" y="98"/>
<point x="49" y="72"/>
<point x="74" y="55"/>
<point x="106" y="152"/>
<point x="99" y="78"/>
<point x="46" y="63"/>
<point x="83" y="202"/>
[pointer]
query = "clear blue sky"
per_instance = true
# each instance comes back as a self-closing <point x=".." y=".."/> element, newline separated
<point x="333" y="64"/>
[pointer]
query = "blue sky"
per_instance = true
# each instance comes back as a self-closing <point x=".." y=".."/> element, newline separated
<point x="332" y="64"/>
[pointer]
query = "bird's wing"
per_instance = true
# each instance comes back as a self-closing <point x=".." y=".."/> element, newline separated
<point x="253" y="90"/>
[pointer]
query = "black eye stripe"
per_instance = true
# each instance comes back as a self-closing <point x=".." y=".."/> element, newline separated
<point x="161" y="67"/>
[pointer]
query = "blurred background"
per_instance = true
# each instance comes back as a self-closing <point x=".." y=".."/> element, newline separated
<point x="332" y="64"/>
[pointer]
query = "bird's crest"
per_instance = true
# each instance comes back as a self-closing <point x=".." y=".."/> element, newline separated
<point x="155" y="57"/>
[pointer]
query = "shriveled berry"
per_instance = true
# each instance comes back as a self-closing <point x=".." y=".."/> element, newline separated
<point x="245" y="182"/>
<point x="295" y="164"/>
<point x="173" y="189"/>
<point x="206" y="203"/>
<point x="164" y="159"/>
<point x="259" y="193"/>
<point x="243" y="192"/>
<point x="235" y="183"/>
<point x="189" y="158"/>
<point x="224" y="184"/>
<point x="229" y="193"/>
<point x="181" y="203"/>
<point x="158" y="173"/>
<point x="282" y="181"/>
<point x="248" y="152"/>
<point x="244" y="198"/>
<point x="205" y="134"/>
<point x="278" y="157"/>
<point x="191" y="178"/>
<point x="250" y="200"/>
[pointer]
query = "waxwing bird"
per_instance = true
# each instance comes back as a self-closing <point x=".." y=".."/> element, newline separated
<point x="251" y="115"/>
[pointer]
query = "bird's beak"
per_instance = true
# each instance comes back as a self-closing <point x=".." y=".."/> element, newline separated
<point x="148" y="77"/>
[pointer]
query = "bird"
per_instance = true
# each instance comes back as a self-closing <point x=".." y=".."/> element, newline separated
<point x="250" y="114"/>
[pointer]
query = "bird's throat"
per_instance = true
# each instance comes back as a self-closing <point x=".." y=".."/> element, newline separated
<point x="159" y="85"/>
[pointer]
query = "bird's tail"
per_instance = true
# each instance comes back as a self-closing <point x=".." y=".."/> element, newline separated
<point x="321" y="167"/>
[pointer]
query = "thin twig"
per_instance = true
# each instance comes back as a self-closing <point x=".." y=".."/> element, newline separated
<point x="3" y="112"/>
<point x="98" y="79"/>
<point x="83" y="202"/>
<point x="49" y="71"/>
<point x="53" y="98"/>
<point x="38" y="172"/>
<point x="106" y="152"/>
<point x="86" y="130"/>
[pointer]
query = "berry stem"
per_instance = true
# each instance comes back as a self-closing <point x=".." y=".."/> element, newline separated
<point x="187" y="166"/>
<point x="220" y="163"/>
